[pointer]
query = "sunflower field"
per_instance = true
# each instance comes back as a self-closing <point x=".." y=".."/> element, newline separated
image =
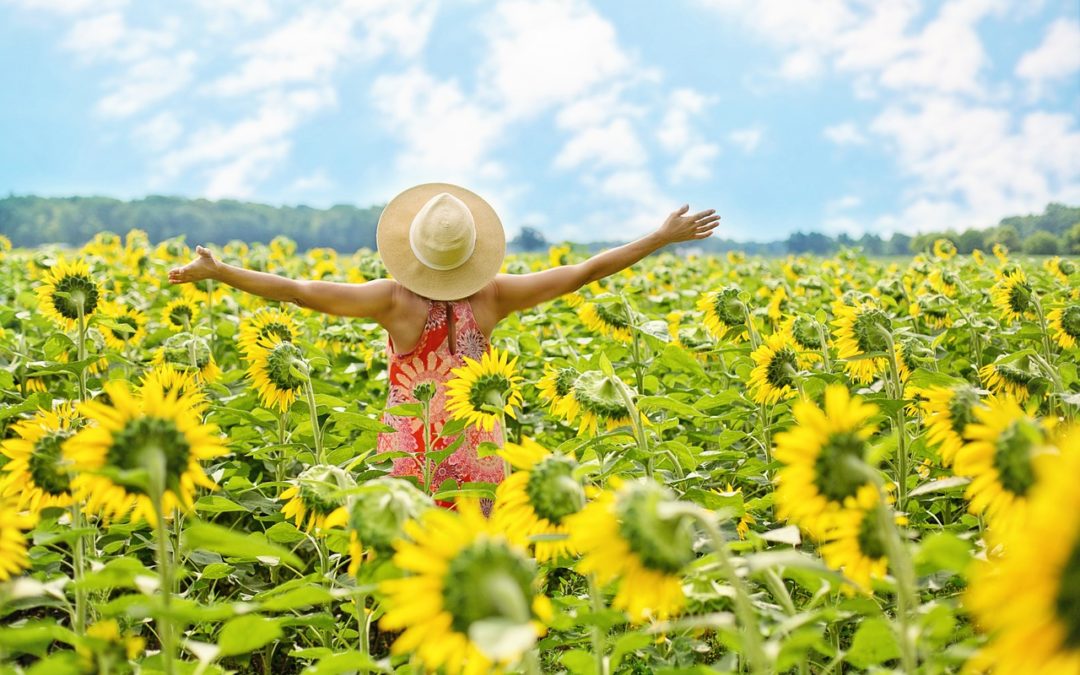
<point x="718" y="464"/>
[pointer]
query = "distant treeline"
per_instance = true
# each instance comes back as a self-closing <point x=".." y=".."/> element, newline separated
<point x="31" y="221"/>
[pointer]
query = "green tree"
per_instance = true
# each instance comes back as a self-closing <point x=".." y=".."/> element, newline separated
<point x="1006" y="235"/>
<point x="969" y="240"/>
<point x="1072" y="239"/>
<point x="1042" y="243"/>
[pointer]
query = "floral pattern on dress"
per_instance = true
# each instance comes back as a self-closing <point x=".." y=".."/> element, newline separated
<point x="432" y="361"/>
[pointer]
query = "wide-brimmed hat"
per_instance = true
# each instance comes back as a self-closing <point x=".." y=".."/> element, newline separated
<point x="441" y="241"/>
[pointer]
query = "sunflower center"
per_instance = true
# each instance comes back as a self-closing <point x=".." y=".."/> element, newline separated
<point x="1070" y="321"/>
<point x="487" y="580"/>
<point x="279" y="364"/>
<point x="80" y="291"/>
<point x="597" y="394"/>
<point x="868" y="326"/>
<point x="45" y="463"/>
<point x="805" y="333"/>
<point x="833" y="475"/>
<point x="871" y="543"/>
<point x="278" y="329"/>
<point x="552" y="490"/>
<point x="962" y="409"/>
<point x="727" y="308"/>
<point x="319" y="486"/>
<point x="1013" y="374"/>
<point x="126" y="328"/>
<point x="1012" y="456"/>
<point x="489" y="389"/>
<point x="181" y="315"/>
<point x="662" y="543"/>
<point x="1067" y="602"/>
<point x="564" y="381"/>
<point x="1020" y="297"/>
<point x="781" y="367"/>
<point x="1066" y="267"/>
<point x="613" y="314"/>
<point x="144" y="435"/>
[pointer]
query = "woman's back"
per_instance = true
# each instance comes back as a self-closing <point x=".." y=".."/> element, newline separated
<point x="450" y="334"/>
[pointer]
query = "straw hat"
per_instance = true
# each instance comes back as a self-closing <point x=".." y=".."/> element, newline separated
<point x="441" y="241"/>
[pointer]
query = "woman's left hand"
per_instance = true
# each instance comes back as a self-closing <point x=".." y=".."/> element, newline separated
<point x="680" y="227"/>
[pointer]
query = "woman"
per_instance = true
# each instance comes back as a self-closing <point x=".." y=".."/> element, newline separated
<point x="443" y="245"/>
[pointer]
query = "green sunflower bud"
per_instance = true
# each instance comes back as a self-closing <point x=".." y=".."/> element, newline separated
<point x="379" y="510"/>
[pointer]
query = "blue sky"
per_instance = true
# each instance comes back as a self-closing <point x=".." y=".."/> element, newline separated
<point x="587" y="120"/>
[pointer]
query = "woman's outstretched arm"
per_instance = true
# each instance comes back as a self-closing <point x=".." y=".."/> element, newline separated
<point x="514" y="292"/>
<point x="373" y="299"/>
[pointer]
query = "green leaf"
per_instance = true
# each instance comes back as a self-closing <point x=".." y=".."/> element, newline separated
<point x="218" y="504"/>
<point x="346" y="421"/>
<point x="579" y="662"/>
<point x="873" y="643"/>
<point x="296" y="598"/>
<point x="247" y="633"/>
<point x="943" y="551"/>
<point x="647" y="403"/>
<point x="284" y="533"/>
<point x="939" y="485"/>
<point x="242" y="545"/>
<point x="406" y="410"/>
<point x="627" y="643"/>
<point x="344" y="662"/>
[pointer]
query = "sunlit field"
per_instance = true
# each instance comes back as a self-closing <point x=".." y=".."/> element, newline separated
<point x="720" y="464"/>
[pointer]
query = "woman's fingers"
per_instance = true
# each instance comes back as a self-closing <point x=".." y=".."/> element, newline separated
<point x="702" y="214"/>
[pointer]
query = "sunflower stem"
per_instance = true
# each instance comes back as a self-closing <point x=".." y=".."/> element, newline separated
<point x="904" y="572"/>
<point x="164" y="564"/>
<point x="363" y="627"/>
<point x="210" y="310"/>
<point x="635" y="423"/>
<point x="635" y="345"/>
<point x="81" y="349"/>
<point x="824" y="345"/>
<point x="597" y="601"/>
<point x="424" y="415"/>
<point x="79" y="561"/>
<point x="900" y="420"/>
<point x="744" y="609"/>
<point x="309" y="393"/>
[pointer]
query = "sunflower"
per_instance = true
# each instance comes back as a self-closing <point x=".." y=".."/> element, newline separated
<point x="13" y="523"/>
<point x="558" y="255"/>
<point x="35" y="476"/>
<point x="944" y="281"/>
<point x="1004" y="447"/>
<point x="979" y="257"/>
<point x="860" y="332"/>
<point x="933" y="310"/>
<point x="265" y="322"/>
<point x="1001" y="252"/>
<point x="1065" y="323"/>
<point x="1060" y="269"/>
<point x="948" y="411"/>
<point x="314" y="501"/>
<point x="725" y="315"/>
<point x="609" y="319"/>
<point x="126" y="437"/>
<point x="803" y="330"/>
<point x="491" y="381"/>
<point x="627" y="535"/>
<point x="271" y="372"/>
<point x="854" y="543"/>
<point x="67" y="286"/>
<point x="944" y="249"/>
<point x="1007" y="379"/>
<point x="183" y="381"/>
<point x="557" y="387"/>
<point x="126" y="325"/>
<point x="817" y="480"/>
<point x="599" y="400"/>
<point x="1012" y="296"/>
<point x="778" y="303"/>
<point x="463" y="577"/>
<point x="774" y="377"/>
<point x="1028" y="600"/>
<point x="180" y="314"/>
<point x="378" y="511"/>
<point x="536" y="499"/>
<point x="176" y="352"/>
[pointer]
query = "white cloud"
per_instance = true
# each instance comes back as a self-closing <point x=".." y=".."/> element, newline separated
<point x="66" y="7"/>
<point x="845" y="133"/>
<point x="1057" y="57"/>
<point x="843" y="203"/>
<point x="612" y="145"/>
<point x="694" y="163"/>
<point x="970" y="164"/>
<point x="546" y="52"/>
<point x="159" y="132"/>
<point x="747" y="139"/>
<point x="145" y="83"/>
<point x="317" y="181"/>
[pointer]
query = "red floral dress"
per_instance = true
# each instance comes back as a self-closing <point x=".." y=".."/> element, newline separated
<point x="431" y="361"/>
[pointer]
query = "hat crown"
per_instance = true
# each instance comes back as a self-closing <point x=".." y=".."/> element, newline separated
<point x="442" y="234"/>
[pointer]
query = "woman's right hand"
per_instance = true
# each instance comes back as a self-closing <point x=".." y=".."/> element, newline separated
<point x="205" y="266"/>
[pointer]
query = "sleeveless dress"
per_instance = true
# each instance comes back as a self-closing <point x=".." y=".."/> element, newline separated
<point x="431" y="361"/>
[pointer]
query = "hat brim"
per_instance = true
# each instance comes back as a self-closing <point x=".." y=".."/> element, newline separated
<point x="392" y="236"/>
